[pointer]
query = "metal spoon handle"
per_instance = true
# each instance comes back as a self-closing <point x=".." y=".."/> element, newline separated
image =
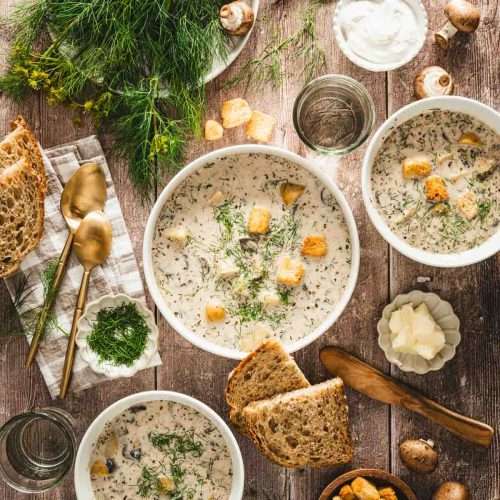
<point x="49" y="300"/>
<point x="71" y="349"/>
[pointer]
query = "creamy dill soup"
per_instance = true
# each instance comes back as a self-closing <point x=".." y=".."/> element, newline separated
<point x="436" y="181"/>
<point x="161" y="450"/>
<point x="251" y="247"/>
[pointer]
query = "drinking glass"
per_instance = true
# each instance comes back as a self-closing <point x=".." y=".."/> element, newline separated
<point x="37" y="449"/>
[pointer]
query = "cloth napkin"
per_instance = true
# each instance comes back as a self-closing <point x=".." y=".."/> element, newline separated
<point x="119" y="274"/>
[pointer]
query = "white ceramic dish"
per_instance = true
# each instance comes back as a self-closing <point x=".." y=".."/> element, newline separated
<point x="443" y="314"/>
<point x="451" y="103"/>
<point x="422" y="21"/>
<point x="85" y="328"/>
<point x="83" y="484"/>
<point x="193" y="167"/>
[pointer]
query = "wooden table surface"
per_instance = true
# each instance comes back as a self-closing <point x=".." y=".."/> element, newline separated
<point x="470" y="383"/>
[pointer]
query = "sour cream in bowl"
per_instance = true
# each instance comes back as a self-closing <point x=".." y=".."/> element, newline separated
<point x="380" y="35"/>
<point x="248" y="243"/>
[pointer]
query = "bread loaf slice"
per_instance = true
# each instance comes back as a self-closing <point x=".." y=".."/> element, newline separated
<point x="21" y="214"/>
<point x="267" y="371"/>
<point x="303" y="428"/>
<point x="21" y="143"/>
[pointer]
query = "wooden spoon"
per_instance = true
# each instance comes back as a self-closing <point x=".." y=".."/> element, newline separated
<point x="92" y="247"/>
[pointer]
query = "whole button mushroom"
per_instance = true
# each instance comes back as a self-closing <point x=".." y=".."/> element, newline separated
<point x="236" y="18"/>
<point x="452" y="490"/>
<point x="418" y="455"/>
<point x="433" y="81"/>
<point x="462" y="16"/>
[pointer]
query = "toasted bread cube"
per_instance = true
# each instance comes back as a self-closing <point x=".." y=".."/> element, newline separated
<point x="469" y="139"/>
<point x="346" y="493"/>
<point x="213" y="130"/>
<point x="99" y="469"/>
<point x="314" y="245"/>
<point x="387" y="493"/>
<point x="227" y="269"/>
<point x="235" y="112"/>
<point x="290" y="192"/>
<point x="416" y="166"/>
<point x="269" y="298"/>
<point x="166" y="484"/>
<point x="435" y="189"/>
<point x="260" y="127"/>
<point x="217" y="198"/>
<point x="467" y="205"/>
<point x="214" y="312"/>
<point x="178" y="235"/>
<point x="249" y="341"/>
<point x="290" y="271"/>
<point x="258" y="220"/>
<point x="364" y="490"/>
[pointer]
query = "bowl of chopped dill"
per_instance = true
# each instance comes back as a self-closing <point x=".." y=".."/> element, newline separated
<point x="159" y="444"/>
<point x="117" y="336"/>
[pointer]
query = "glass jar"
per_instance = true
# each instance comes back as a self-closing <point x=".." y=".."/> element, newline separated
<point x="333" y="114"/>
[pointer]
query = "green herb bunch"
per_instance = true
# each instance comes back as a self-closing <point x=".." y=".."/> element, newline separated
<point x="137" y="66"/>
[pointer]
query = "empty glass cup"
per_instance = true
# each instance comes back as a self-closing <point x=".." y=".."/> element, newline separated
<point x="37" y="449"/>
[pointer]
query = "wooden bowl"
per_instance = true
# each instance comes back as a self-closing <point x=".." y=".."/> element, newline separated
<point x="376" y="476"/>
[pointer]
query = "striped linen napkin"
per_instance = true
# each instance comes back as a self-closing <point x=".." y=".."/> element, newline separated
<point x="119" y="274"/>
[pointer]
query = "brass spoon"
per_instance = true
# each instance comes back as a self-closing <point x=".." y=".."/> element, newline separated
<point x="84" y="192"/>
<point x="92" y="247"/>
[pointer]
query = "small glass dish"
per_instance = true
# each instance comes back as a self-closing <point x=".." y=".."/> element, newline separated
<point x="333" y="115"/>
<point x="443" y="314"/>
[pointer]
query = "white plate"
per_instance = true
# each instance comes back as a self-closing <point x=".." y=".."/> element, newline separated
<point x="155" y="291"/>
<point x="83" y="484"/>
<point x="473" y="108"/>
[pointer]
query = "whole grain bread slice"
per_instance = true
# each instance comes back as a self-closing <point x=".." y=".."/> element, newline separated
<point x="303" y="428"/>
<point x="267" y="371"/>
<point x="21" y="214"/>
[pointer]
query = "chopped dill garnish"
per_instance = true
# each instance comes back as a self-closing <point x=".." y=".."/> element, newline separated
<point x="484" y="208"/>
<point x="284" y="295"/>
<point x="229" y="218"/>
<point x="119" y="334"/>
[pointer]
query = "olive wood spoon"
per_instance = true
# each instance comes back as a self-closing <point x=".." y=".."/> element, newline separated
<point x="84" y="192"/>
<point x="374" y="384"/>
<point x="92" y="247"/>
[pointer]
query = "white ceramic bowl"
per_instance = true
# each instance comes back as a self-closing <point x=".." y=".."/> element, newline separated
<point x="443" y="314"/>
<point x="83" y="484"/>
<point x="193" y="167"/>
<point x="422" y="21"/>
<point x="450" y="103"/>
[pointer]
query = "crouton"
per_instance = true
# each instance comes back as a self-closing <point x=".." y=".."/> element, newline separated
<point x="249" y="341"/>
<point x="469" y="139"/>
<point x="416" y="166"/>
<point x="213" y="130"/>
<point x="260" y="127"/>
<point x="227" y="269"/>
<point x="290" y="192"/>
<point x="214" y="312"/>
<point x="178" y="235"/>
<point x="435" y="189"/>
<point x="165" y="484"/>
<point x="258" y="220"/>
<point x="467" y="205"/>
<point x="235" y="112"/>
<point x="387" y="493"/>
<point x="314" y="245"/>
<point x="346" y="493"/>
<point x="216" y="199"/>
<point x="290" y="271"/>
<point x="364" y="490"/>
<point x="269" y="298"/>
<point x="99" y="469"/>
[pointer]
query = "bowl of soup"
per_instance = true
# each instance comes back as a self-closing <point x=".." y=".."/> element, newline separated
<point x="431" y="181"/>
<point x="248" y="243"/>
<point x="157" y="444"/>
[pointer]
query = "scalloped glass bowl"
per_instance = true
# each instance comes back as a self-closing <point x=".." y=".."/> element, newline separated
<point x="443" y="314"/>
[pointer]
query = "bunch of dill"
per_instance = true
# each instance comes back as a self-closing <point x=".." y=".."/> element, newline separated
<point x="137" y="66"/>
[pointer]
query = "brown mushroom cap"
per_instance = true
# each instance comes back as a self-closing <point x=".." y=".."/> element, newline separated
<point x="452" y="490"/>
<point x="463" y="15"/>
<point x="433" y="81"/>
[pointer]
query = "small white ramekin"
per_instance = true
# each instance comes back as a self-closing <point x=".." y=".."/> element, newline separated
<point x="421" y="15"/>
<point x="443" y="315"/>
<point x="83" y="485"/>
<point x="449" y="103"/>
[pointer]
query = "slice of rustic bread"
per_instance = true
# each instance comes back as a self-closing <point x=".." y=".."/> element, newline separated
<point x="267" y="371"/>
<point x="303" y="428"/>
<point x="21" y="143"/>
<point x="21" y="214"/>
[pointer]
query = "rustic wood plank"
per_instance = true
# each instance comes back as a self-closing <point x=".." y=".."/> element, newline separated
<point x="469" y="383"/>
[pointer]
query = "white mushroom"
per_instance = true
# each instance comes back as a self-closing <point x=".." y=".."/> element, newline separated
<point x="236" y="18"/>
<point x="433" y="81"/>
<point x="462" y="16"/>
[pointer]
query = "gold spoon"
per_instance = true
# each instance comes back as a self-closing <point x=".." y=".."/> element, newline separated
<point x="92" y="247"/>
<point x="84" y="192"/>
